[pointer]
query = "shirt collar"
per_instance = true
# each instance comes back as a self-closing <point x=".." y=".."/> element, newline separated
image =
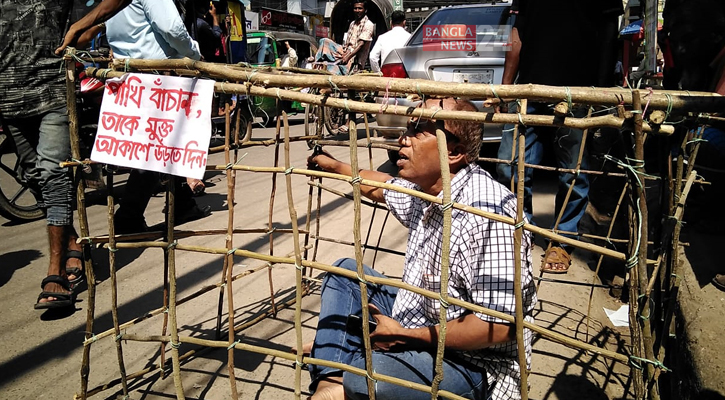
<point x="458" y="182"/>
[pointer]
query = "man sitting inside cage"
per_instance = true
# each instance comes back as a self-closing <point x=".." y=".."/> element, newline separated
<point x="351" y="56"/>
<point x="481" y="353"/>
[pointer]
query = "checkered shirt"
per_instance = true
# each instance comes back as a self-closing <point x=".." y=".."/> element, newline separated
<point x="481" y="272"/>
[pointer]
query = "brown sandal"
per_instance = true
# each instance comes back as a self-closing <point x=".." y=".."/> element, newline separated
<point x="556" y="255"/>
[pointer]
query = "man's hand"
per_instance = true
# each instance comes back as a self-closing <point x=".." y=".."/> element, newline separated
<point x="387" y="334"/>
<point x="212" y="10"/>
<point x="321" y="159"/>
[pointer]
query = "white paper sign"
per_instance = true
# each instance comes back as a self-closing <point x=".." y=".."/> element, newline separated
<point x="157" y="123"/>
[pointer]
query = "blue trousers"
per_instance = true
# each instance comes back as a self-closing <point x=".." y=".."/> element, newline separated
<point x="43" y="142"/>
<point x="340" y="297"/>
<point x="566" y="143"/>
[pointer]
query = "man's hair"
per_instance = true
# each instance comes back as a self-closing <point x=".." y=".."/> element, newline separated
<point x="397" y="17"/>
<point x="468" y="132"/>
<point x="363" y="2"/>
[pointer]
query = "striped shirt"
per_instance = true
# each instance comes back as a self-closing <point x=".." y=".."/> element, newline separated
<point x="481" y="267"/>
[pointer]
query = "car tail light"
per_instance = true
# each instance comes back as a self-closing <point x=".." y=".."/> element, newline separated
<point x="394" y="70"/>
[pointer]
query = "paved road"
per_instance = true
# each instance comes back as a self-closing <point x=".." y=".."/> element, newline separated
<point x="42" y="351"/>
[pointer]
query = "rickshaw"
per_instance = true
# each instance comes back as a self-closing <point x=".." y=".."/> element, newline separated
<point x="378" y="12"/>
<point x="267" y="49"/>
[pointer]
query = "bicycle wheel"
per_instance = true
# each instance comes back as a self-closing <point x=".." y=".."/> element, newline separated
<point x="17" y="203"/>
<point x="312" y="118"/>
<point x="335" y="118"/>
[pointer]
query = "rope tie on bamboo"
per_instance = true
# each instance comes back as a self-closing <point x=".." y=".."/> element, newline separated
<point x="104" y="74"/>
<point x="444" y="302"/>
<point x="520" y="224"/>
<point x="361" y="279"/>
<point x="299" y="267"/>
<point x="635" y="361"/>
<point x="299" y="364"/>
<point x="422" y="96"/>
<point x="88" y="238"/>
<point x="386" y="98"/>
<point x="332" y="84"/>
<point x="175" y="345"/>
<point x="695" y="140"/>
<point x="568" y="101"/>
<point x="172" y="245"/>
<point x="289" y="170"/>
<point x="651" y="301"/>
<point x="355" y="180"/>
<point x="92" y="339"/>
<point x="521" y="120"/>
<point x="232" y="251"/>
<point x="119" y="337"/>
<point x="346" y="106"/>
<point x="249" y="77"/>
<point x="271" y="231"/>
<point x="678" y="221"/>
<point x="112" y="249"/>
<point x="278" y="96"/>
<point x="493" y="90"/>
<point x="447" y="206"/>
<point x="649" y="98"/>
<point x="125" y="65"/>
<point x="370" y="377"/>
<point x="231" y="346"/>
<point x="669" y="105"/>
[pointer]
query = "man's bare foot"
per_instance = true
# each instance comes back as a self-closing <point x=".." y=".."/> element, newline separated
<point x="329" y="388"/>
<point x="306" y="349"/>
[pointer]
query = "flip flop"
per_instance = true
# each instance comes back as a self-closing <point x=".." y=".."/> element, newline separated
<point x="556" y="255"/>
<point x="78" y="272"/>
<point x="62" y="299"/>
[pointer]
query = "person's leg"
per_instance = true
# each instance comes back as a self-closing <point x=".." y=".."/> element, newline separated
<point x="534" y="153"/>
<point x="139" y="188"/>
<point x="56" y="188"/>
<point x="340" y="297"/>
<point x="418" y="367"/>
<point x="567" y="146"/>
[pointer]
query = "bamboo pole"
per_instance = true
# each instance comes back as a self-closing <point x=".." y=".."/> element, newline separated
<point x="443" y="155"/>
<point x="70" y="85"/>
<point x="494" y="118"/>
<point x="298" y="261"/>
<point x="362" y="278"/>
<point x="270" y="214"/>
<point x="171" y="259"/>
<point x="291" y="357"/>
<point x="634" y="247"/>
<point x="493" y="216"/>
<point x="114" y="283"/>
<point x="696" y="101"/>
<point x="518" y="262"/>
<point x="228" y="266"/>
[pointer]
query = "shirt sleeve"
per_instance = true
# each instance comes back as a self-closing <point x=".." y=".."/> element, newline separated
<point x="367" y="32"/>
<point x="169" y="26"/>
<point x="375" y="56"/>
<point x="400" y="204"/>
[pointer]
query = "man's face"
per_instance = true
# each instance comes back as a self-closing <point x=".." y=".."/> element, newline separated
<point x="419" y="162"/>
<point x="359" y="10"/>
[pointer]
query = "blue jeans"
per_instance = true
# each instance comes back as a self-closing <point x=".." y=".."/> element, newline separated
<point x="42" y="143"/>
<point x="566" y="143"/>
<point x="340" y="297"/>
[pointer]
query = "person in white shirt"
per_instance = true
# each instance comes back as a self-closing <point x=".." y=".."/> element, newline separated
<point x="393" y="39"/>
<point x="290" y="60"/>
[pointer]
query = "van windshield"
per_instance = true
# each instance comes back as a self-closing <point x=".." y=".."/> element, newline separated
<point x="260" y="50"/>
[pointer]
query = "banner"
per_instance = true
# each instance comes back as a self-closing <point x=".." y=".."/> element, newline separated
<point x="157" y="123"/>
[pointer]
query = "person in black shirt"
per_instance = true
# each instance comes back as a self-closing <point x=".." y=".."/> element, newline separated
<point x="208" y="32"/>
<point x="559" y="43"/>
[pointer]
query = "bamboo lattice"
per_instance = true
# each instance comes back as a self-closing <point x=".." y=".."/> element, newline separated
<point x="645" y="358"/>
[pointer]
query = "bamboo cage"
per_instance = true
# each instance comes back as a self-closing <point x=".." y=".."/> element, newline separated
<point x="632" y="118"/>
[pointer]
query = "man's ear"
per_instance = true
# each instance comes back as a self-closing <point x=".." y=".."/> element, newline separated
<point x="457" y="154"/>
